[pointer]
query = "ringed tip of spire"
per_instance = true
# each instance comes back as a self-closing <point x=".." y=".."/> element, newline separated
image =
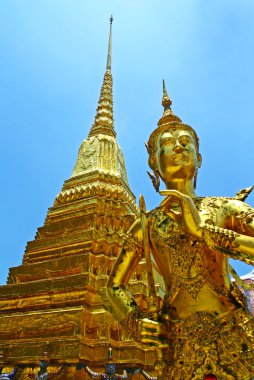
<point x="166" y="101"/>
<point x="164" y="86"/>
<point x="108" y="67"/>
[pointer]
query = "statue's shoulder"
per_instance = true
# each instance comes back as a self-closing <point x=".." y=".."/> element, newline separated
<point x="227" y="205"/>
<point x="240" y="196"/>
<point x="244" y="193"/>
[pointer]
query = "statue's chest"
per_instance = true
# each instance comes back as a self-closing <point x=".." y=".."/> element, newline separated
<point x="184" y="251"/>
<point x="186" y="259"/>
<point x="165" y="231"/>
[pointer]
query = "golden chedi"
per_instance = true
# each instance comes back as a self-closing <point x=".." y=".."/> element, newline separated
<point x="52" y="302"/>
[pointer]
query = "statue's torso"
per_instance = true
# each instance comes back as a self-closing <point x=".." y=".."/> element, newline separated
<point x="196" y="278"/>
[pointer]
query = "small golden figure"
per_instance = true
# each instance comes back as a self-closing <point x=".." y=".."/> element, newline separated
<point x="43" y="373"/>
<point x="4" y="375"/>
<point x="110" y="370"/>
<point x="204" y="329"/>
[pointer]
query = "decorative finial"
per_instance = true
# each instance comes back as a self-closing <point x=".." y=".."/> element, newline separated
<point x="110" y="353"/>
<point x="166" y="101"/>
<point x="104" y="120"/>
<point x="108" y="67"/>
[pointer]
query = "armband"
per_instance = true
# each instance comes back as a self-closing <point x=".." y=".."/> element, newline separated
<point x="219" y="238"/>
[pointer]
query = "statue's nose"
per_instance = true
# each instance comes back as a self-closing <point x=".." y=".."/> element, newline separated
<point x="178" y="147"/>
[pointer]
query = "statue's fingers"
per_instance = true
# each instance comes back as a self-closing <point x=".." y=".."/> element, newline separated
<point x="154" y="342"/>
<point x="166" y="203"/>
<point x="150" y="332"/>
<point x="151" y="325"/>
<point x="167" y="192"/>
<point x="159" y="331"/>
<point x="175" y="215"/>
<point x="154" y="335"/>
<point x="149" y="322"/>
<point x="176" y="195"/>
<point x="172" y="193"/>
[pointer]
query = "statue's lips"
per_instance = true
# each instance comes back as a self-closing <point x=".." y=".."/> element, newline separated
<point x="180" y="156"/>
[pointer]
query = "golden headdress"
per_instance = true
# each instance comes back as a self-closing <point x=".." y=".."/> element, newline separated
<point x="168" y="121"/>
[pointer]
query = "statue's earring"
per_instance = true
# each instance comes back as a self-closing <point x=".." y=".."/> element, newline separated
<point x="155" y="179"/>
<point x="196" y="177"/>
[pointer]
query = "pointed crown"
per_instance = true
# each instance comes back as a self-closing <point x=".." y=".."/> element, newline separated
<point x="168" y="121"/>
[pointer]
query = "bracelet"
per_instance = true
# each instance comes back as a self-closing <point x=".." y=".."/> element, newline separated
<point x="219" y="237"/>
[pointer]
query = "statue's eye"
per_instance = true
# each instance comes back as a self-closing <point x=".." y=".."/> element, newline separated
<point x="167" y="141"/>
<point x="185" y="141"/>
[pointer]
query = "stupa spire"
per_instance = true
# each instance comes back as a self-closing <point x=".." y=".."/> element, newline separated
<point x="104" y="120"/>
<point x="99" y="152"/>
<point x="108" y="67"/>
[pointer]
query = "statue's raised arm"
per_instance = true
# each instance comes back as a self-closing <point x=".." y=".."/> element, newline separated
<point x="126" y="263"/>
<point x="204" y="320"/>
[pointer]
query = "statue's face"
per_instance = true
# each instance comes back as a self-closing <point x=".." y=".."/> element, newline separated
<point x="177" y="156"/>
<point x="110" y="369"/>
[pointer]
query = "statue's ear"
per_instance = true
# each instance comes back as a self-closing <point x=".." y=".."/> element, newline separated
<point x="199" y="160"/>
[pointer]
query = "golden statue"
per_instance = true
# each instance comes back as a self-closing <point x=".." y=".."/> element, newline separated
<point x="110" y="370"/>
<point x="203" y="329"/>
<point x="43" y="373"/>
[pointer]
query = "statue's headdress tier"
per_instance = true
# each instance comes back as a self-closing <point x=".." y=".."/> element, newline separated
<point x="168" y="121"/>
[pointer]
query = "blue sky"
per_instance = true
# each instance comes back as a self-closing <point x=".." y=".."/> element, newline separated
<point x="52" y="61"/>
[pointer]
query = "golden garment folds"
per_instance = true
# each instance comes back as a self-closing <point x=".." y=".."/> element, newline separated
<point x="202" y="329"/>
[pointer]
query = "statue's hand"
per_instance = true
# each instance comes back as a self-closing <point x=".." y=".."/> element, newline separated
<point x="153" y="333"/>
<point x="188" y="218"/>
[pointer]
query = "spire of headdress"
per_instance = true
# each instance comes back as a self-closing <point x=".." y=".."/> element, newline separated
<point x="166" y="101"/>
<point x="104" y="121"/>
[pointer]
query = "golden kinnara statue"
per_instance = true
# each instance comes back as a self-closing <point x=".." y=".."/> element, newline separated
<point x="202" y="330"/>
